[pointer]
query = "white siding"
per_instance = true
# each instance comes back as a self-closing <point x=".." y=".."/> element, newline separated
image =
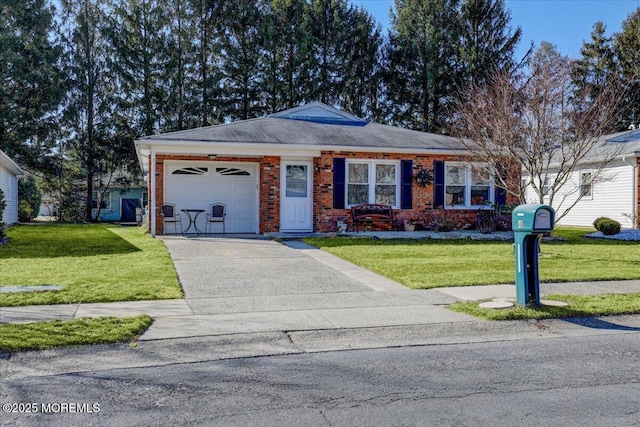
<point x="612" y="197"/>
<point x="9" y="185"/>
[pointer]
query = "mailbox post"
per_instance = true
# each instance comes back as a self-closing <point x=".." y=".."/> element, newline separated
<point x="529" y="223"/>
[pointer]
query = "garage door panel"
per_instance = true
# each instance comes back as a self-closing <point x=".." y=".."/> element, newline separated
<point x="199" y="191"/>
<point x="243" y="189"/>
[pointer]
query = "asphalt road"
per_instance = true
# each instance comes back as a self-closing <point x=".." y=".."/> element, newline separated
<point x="591" y="380"/>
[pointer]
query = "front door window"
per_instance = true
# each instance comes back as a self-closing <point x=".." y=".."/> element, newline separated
<point x="296" y="185"/>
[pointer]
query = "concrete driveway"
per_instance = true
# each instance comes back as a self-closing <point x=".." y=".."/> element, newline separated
<point x="239" y="285"/>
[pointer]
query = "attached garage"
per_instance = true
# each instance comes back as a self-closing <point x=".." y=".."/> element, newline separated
<point x="197" y="185"/>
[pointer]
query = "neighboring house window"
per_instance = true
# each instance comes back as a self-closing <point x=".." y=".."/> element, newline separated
<point x="467" y="185"/>
<point x="106" y="200"/>
<point x="545" y="186"/>
<point x="372" y="182"/>
<point x="145" y="199"/>
<point x="586" y="184"/>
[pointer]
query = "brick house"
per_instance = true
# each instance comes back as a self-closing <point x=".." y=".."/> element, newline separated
<point x="300" y="170"/>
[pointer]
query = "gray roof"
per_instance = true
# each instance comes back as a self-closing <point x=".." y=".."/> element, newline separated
<point x="620" y="144"/>
<point x="314" y="125"/>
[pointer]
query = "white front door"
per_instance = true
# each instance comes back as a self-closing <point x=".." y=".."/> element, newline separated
<point x="296" y="212"/>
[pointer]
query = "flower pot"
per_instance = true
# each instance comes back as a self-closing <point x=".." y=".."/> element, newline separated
<point x="409" y="226"/>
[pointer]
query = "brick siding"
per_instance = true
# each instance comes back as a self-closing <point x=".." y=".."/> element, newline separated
<point x="324" y="216"/>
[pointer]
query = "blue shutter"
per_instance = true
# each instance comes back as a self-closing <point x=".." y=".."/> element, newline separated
<point x="438" y="181"/>
<point x="406" y="181"/>
<point x="339" y="185"/>
<point x="500" y="196"/>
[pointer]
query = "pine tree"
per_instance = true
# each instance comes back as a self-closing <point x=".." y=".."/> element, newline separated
<point x="288" y="47"/>
<point x="136" y="31"/>
<point x="241" y="45"/>
<point x="31" y="83"/>
<point x="362" y="70"/>
<point x="422" y="62"/>
<point x="327" y="24"/>
<point x="627" y="52"/>
<point x="487" y="42"/>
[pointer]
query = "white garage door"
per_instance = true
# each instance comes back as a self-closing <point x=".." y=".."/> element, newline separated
<point x="197" y="185"/>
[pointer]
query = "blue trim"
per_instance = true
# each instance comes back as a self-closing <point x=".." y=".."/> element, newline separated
<point x="329" y="120"/>
<point x="406" y="181"/>
<point x="339" y="182"/>
<point x="438" y="181"/>
<point x="500" y="196"/>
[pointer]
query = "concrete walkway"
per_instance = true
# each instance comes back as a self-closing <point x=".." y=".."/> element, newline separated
<point x="243" y="286"/>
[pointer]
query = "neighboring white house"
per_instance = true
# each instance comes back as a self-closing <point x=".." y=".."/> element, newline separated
<point x="614" y="194"/>
<point x="9" y="172"/>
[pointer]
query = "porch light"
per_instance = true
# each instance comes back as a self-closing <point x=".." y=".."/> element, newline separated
<point x="212" y="156"/>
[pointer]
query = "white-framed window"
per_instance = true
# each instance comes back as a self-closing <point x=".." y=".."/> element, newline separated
<point x="545" y="186"/>
<point x="106" y="200"/>
<point x="467" y="185"/>
<point x="373" y="181"/>
<point x="586" y="184"/>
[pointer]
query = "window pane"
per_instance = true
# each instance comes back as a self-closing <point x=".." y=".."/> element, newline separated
<point x="455" y="195"/>
<point x="479" y="194"/>
<point x="586" y="184"/>
<point x="296" y="184"/>
<point x="455" y="175"/>
<point x="357" y="194"/>
<point x="385" y="174"/>
<point x="386" y="194"/>
<point x="479" y="177"/>
<point x="358" y="173"/>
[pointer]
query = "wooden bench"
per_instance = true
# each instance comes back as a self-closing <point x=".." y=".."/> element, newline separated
<point x="370" y="213"/>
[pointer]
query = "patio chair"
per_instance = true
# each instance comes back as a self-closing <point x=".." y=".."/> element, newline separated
<point x="169" y="216"/>
<point x="217" y="214"/>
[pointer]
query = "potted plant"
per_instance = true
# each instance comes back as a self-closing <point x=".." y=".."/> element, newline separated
<point x="410" y="224"/>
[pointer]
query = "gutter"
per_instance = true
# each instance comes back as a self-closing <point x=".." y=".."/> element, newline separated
<point x="634" y="189"/>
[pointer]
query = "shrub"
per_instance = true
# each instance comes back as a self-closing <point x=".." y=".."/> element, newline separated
<point x="442" y="220"/>
<point x="596" y="223"/>
<point x="609" y="227"/>
<point x="29" y="197"/>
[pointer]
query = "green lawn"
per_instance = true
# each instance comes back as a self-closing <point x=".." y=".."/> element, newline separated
<point x="430" y="263"/>
<point x="579" y="306"/>
<point x="42" y="335"/>
<point x="93" y="263"/>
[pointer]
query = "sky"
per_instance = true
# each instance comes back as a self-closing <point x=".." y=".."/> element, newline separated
<point x="564" y="23"/>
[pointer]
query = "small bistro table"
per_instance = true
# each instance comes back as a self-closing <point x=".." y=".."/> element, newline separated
<point x="192" y="214"/>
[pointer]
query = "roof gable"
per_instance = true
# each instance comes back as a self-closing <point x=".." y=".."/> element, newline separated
<point x="317" y="112"/>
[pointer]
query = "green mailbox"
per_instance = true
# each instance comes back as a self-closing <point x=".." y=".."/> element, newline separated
<point x="529" y="223"/>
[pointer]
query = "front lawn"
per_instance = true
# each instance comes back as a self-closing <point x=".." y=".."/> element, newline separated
<point x="92" y="263"/>
<point x="579" y="306"/>
<point x="43" y="335"/>
<point x="422" y="264"/>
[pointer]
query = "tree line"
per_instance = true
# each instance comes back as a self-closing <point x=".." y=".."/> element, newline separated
<point x="82" y="78"/>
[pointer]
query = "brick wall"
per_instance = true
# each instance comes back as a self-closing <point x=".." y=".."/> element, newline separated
<point x="269" y="194"/>
<point x="324" y="216"/>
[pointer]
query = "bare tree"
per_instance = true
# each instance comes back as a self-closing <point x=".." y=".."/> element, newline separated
<point x="535" y="126"/>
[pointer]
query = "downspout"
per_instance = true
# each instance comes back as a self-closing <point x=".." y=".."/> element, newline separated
<point x="152" y="191"/>
<point x="634" y="189"/>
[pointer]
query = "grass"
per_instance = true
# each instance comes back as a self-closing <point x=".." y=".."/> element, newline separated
<point x="43" y="335"/>
<point x="430" y="263"/>
<point x="92" y="262"/>
<point x="579" y="306"/>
